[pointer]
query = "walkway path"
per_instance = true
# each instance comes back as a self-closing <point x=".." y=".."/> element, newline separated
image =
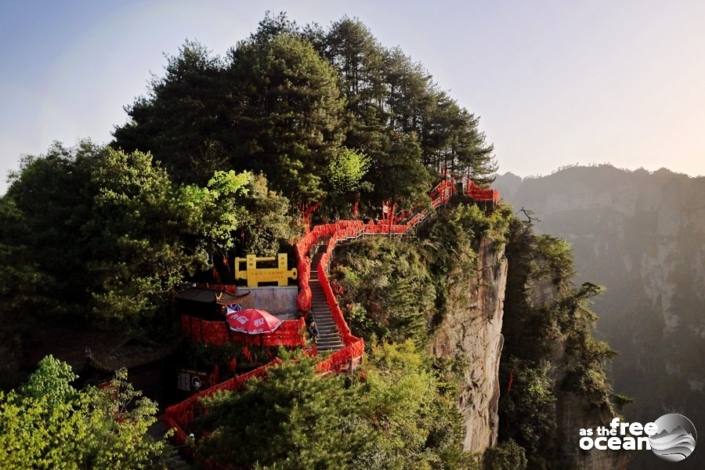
<point x="314" y="252"/>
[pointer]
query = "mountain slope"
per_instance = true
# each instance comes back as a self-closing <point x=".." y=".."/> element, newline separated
<point x="642" y="236"/>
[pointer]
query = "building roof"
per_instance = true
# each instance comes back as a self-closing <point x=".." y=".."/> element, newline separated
<point x="209" y="296"/>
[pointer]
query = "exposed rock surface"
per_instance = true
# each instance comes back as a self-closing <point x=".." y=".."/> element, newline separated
<point x="642" y="235"/>
<point x="572" y="411"/>
<point x="472" y="333"/>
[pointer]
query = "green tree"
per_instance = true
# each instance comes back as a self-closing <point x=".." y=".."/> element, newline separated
<point x="388" y="93"/>
<point x="184" y="120"/>
<point x="413" y="422"/>
<point x="507" y="456"/>
<point x="346" y="171"/>
<point x="283" y="101"/>
<point x="398" y="417"/>
<point x="388" y="292"/>
<point x="118" y="224"/>
<point x="51" y="380"/>
<point x="265" y="220"/>
<point x="49" y="424"/>
<point x="550" y="356"/>
<point x="301" y="420"/>
<point x="288" y="114"/>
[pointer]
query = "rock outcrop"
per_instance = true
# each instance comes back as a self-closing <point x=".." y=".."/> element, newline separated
<point x="641" y="235"/>
<point x="471" y="331"/>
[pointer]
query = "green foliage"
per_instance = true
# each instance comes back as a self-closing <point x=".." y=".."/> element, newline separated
<point x="393" y="106"/>
<point x="346" y="170"/>
<point x="52" y="380"/>
<point x="182" y="121"/>
<point x="49" y="424"/>
<point x="528" y="410"/>
<point x="412" y="422"/>
<point x="397" y="417"/>
<point x="396" y="289"/>
<point x="449" y="248"/>
<point x="388" y="292"/>
<point x="296" y="416"/>
<point x="118" y="224"/>
<point x="398" y="175"/>
<point x="265" y="220"/>
<point x="293" y="102"/>
<point x="507" y="456"/>
<point x="549" y="351"/>
<point x="288" y="114"/>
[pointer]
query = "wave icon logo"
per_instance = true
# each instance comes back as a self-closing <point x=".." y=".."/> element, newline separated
<point x="675" y="438"/>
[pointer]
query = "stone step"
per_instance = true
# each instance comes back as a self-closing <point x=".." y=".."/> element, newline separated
<point x="327" y="329"/>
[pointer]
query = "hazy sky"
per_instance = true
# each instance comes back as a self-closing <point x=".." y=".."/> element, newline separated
<point x="555" y="82"/>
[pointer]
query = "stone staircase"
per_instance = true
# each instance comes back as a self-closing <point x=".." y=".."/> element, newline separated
<point x="328" y="335"/>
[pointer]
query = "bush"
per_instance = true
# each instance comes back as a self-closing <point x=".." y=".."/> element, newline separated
<point x="507" y="456"/>
<point x="387" y="290"/>
<point x="50" y="424"/>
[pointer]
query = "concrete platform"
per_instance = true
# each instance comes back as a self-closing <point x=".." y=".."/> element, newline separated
<point x="280" y="301"/>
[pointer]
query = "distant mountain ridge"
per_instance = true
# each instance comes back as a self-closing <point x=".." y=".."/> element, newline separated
<point x="640" y="234"/>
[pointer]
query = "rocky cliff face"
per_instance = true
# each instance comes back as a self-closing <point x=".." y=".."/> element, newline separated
<point x="573" y="411"/>
<point x="472" y="331"/>
<point x="642" y="235"/>
<point x="457" y="272"/>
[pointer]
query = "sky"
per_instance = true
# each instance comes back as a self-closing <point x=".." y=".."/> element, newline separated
<point x="555" y="83"/>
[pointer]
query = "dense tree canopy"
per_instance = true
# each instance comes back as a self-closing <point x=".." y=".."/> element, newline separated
<point x="105" y="235"/>
<point x="49" y="424"/>
<point x="216" y="160"/>
<point x="387" y="290"/>
<point x="287" y="117"/>
<point x="398" y="417"/>
<point x="288" y="101"/>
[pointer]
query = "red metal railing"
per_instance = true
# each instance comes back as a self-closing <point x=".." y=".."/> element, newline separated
<point x="181" y="415"/>
<point x="216" y="332"/>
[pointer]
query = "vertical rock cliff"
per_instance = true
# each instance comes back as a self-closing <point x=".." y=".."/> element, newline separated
<point x="552" y="366"/>
<point x="472" y="330"/>
<point x="505" y="326"/>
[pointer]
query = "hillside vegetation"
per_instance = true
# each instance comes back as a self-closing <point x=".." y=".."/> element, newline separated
<point x="234" y="154"/>
<point x="641" y="235"/>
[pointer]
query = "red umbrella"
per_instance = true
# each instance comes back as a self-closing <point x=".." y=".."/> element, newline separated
<point x="253" y="321"/>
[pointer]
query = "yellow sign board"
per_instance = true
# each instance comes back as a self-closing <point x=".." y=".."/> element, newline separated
<point x="255" y="275"/>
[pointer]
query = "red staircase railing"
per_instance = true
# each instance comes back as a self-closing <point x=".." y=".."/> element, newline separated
<point x="181" y="415"/>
